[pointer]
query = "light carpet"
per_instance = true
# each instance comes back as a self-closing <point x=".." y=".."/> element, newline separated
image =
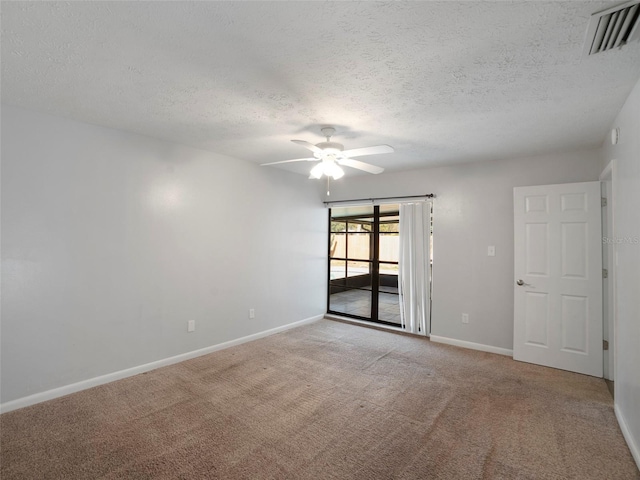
<point x="328" y="400"/>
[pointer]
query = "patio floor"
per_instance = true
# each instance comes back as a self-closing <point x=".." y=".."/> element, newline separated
<point x="358" y="302"/>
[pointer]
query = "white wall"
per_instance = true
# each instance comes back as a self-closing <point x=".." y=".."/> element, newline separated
<point x="112" y="241"/>
<point x="473" y="209"/>
<point x="626" y="210"/>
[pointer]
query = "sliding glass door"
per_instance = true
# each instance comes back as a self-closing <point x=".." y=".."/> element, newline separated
<point x="363" y="263"/>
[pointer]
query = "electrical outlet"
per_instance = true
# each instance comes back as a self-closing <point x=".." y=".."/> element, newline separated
<point x="465" y="318"/>
<point x="252" y="313"/>
<point x="491" y="251"/>
<point x="191" y="326"/>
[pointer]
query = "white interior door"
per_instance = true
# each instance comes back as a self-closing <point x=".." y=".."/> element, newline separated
<point x="558" y="277"/>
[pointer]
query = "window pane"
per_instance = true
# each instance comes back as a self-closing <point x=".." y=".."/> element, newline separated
<point x="352" y="301"/>
<point x="338" y="226"/>
<point x="389" y="269"/>
<point x="359" y="244"/>
<point x="389" y="247"/>
<point x="338" y="245"/>
<point x="388" y="299"/>
<point x="359" y="274"/>
<point x="389" y="227"/>
<point x="361" y="225"/>
<point x="338" y="270"/>
<point x="352" y="295"/>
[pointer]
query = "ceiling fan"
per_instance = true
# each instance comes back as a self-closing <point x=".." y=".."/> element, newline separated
<point x="332" y="155"/>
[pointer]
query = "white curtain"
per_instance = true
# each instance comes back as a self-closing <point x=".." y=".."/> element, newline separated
<point x="414" y="267"/>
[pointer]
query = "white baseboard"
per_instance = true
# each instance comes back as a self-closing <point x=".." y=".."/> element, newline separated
<point x="472" y="345"/>
<point x="626" y="433"/>
<point x="110" y="377"/>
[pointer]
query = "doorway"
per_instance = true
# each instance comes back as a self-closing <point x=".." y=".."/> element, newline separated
<point x="363" y="263"/>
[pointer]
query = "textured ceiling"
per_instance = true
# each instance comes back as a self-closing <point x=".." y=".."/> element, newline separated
<point x="440" y="81"/>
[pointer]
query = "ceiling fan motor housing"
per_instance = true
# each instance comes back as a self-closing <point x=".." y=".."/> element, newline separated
<point x="330" y="147"/>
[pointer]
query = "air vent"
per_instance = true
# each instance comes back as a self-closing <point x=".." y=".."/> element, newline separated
<point x="612" y="28"/>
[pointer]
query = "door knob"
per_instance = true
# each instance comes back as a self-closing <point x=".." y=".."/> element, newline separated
<point x="520" y="282"/>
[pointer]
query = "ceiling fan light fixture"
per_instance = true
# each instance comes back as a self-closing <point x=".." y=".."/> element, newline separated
<point x="328" y="168"/>
<point x="334" y="171"/>
<point x="317" y="171"/>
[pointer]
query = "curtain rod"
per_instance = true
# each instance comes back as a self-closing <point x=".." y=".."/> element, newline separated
<point x="373" y="200"/>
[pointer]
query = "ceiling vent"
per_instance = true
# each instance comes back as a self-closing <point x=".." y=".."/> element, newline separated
<point x="612" y="28"/>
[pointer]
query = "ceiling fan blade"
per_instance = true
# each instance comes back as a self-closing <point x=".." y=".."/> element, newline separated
<point x="308" y="145"/>
<point x="359" y="152"/>
<point x="289" y="161"/>
<point x="348" y="162"/>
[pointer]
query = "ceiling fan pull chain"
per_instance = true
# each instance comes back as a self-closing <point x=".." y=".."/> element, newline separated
<point x="328" y="180"/>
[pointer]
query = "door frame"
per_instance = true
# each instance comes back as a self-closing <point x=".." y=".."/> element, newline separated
<point x="610" y="317"/>
<point x="374" y="262"/>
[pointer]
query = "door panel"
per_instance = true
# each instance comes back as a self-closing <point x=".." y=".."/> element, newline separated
<point x="537" y="255"/>
<point x="537" y="319"/>
<point x="573" y="202"/>
<point x="558" y="307"/>
<point x="536" y="203"/>
<point x="575" y="323"/>
<point x="574" y="250"/>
